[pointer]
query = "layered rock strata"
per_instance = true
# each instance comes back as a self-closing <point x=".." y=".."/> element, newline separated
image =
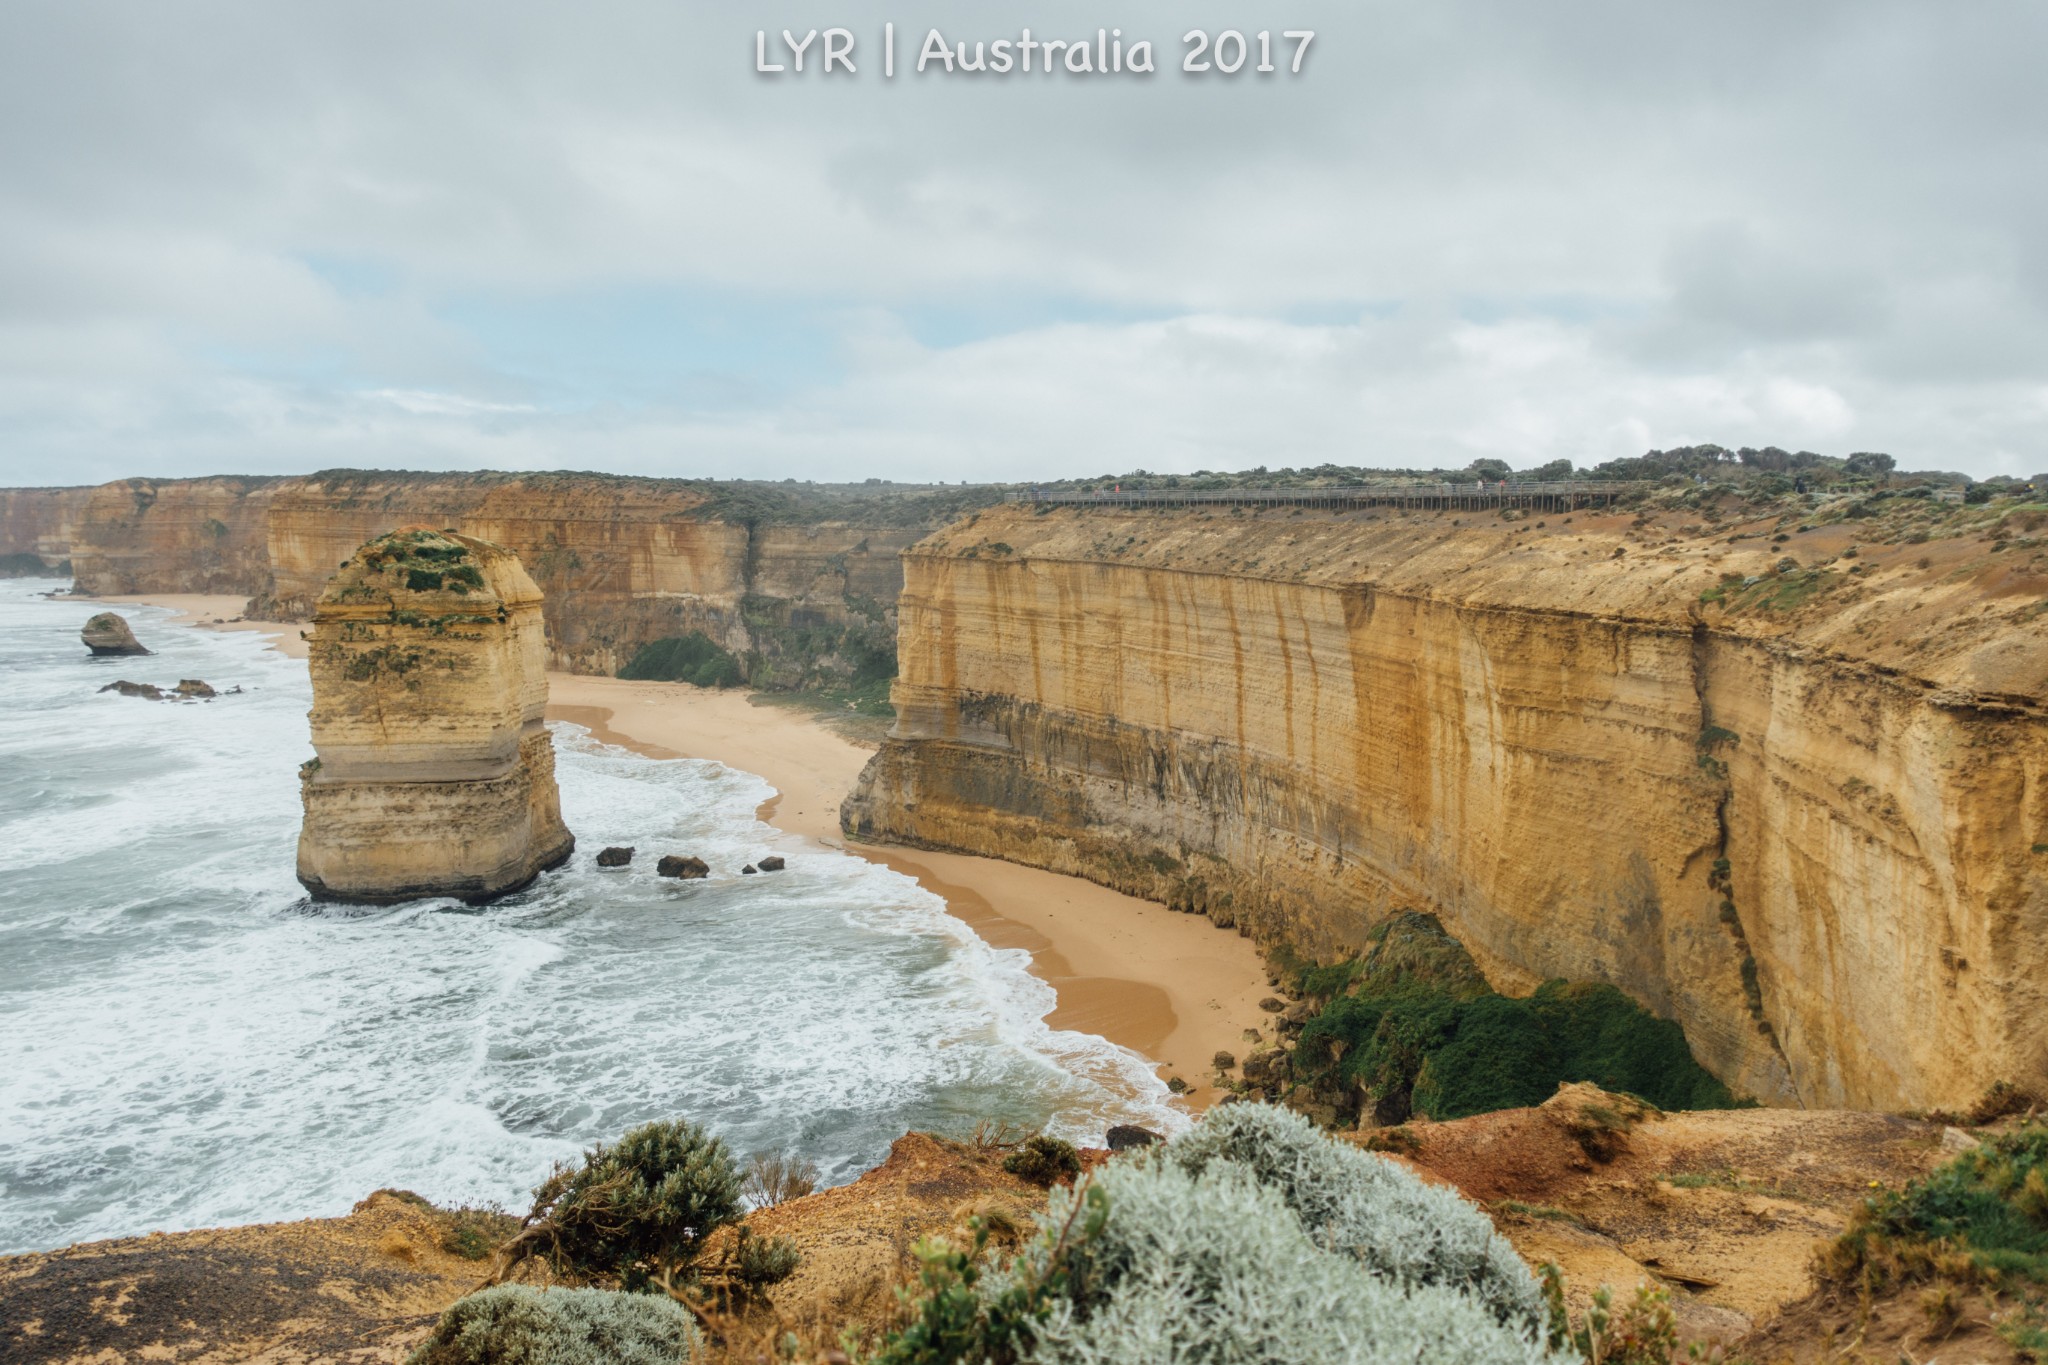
<point x="803" y="583"/>
<point x="434" y="773"/>
<point x="36" y="530"/>
<point x="1791" y="794"/>
<point x="173" y="535"/>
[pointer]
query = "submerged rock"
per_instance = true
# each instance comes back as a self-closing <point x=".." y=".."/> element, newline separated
<point x="615" y="856"/>
<point x="772" y="863"/>
<point x="107" y="633"/>
<point x="689" y="869"/>
<point x="148" y="691"/>
<point x="436" y="773"/>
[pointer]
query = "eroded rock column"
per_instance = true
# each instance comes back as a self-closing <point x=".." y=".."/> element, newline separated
<point x="434" y="774"/>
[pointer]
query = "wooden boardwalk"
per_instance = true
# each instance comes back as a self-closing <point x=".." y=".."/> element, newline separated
<point x="1561" y="496"/>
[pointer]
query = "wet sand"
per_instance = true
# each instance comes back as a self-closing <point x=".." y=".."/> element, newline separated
<point x="1170" y="986"/>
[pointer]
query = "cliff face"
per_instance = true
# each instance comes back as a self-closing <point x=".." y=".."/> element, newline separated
<point x="797" y="585"/>
<point x="38" y="522"/>
<point x="622" y="561"/>
<point x="172" y="535"/>
<point x="1799" y="817"/>
<point x="435" y="775"/>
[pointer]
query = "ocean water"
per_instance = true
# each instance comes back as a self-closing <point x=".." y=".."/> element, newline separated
<point x="187" y="1041"/>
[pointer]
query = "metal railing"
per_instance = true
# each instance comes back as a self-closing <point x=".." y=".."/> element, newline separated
<point x="1558" y="494"/>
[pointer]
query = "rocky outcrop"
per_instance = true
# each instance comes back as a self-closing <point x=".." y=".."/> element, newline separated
<point x="434" y="774"/>
<point x="108" y="633"/>
<point x="1793" y="796"/>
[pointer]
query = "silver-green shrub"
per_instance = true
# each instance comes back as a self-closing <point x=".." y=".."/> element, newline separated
<point x="1399" y="1228"/>
<point x="515" y="1325"/>
<point x="1215" y="1268"/>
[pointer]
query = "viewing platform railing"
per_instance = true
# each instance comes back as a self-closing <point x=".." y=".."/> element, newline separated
<point x="1562" y="495"/>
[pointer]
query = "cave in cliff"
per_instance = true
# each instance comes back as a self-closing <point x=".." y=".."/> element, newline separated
<point x="434" y="774"/>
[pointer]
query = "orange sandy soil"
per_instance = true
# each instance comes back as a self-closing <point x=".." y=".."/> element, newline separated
<point x="1724" y="1209"/>
<point x="366" y="1289"/>
<point x="1171" y="987"/>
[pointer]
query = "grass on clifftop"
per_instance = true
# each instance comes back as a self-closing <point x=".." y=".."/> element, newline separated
<point x="1415" y="1028"/>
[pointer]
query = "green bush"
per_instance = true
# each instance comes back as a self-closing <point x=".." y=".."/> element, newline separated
<point x="1418" y="1031"/>
<point x="692" y="658"/>
<point x="514" y="1325"/>
<point x="638" y="1210"/>
<point x="1043" y="1160"/>
<point x="1984" y="1214"/>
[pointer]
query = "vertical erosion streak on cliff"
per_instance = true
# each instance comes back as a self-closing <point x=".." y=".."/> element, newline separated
<point x="1720" y="876"/>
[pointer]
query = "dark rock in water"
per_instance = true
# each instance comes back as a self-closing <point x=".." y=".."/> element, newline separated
<point x="1129" y="1137"/>
<point x="135" y="689"/>
<point x="772" y="863"/>
<point x="1177" y="1085"/>
<point x="109" y="634"/>
<point x="615" y="856"/>
<point x="193" y="687"/>
<point x="687" y="868"/>
<point x="748" y="870"/>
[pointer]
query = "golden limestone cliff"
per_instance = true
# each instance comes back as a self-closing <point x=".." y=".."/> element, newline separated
<point x="623" y="561"/>
<point x="1787" y="789"/>
<point x="172" y="535"/>
<point x="434" y="773"/>
<point x="36" y="529"/>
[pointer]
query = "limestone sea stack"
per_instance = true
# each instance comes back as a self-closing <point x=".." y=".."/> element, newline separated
<point x="108" y="633"/>
<point x="434" y="774"/>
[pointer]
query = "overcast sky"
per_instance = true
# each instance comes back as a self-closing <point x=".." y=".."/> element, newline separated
<point x="271" y="237"/>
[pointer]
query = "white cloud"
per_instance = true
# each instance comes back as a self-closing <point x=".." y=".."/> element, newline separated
<point x="1569" y="230"/>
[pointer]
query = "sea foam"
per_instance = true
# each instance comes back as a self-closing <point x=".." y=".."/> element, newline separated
<point x="186" y="1041"/>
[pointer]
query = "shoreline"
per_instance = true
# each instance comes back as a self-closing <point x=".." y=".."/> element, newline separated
<point x="1171" y="987"/>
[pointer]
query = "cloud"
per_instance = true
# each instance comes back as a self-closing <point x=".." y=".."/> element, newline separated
<point x="598" y="239"/>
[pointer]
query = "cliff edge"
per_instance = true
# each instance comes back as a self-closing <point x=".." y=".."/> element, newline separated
<point x="1780" y="772"/>
<point x="434" y="774"/>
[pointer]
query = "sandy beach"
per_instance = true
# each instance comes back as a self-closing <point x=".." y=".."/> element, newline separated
<point x="1170" y="986"/>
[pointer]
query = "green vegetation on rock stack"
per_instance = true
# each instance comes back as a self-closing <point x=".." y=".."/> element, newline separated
<point x="1412" y="1027"/>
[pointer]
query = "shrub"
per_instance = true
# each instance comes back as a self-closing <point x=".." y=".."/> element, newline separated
<point x="773" y="1178"/>
<point x="1044" y="1160"/>
<point x="694" y="658"/>
<point x="638" y="1210"/>
<point x="515" y="1325"/>
<point x="1644" y="1332"/>
<point x="1983" y="1216"/>
<point x="473" y="1233"/>
<point x="1250" y="1240"/>
<point x="1216" y="1267"/>
<point x="1400" y="1229"/>
<point x="1420" y="1032"/>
